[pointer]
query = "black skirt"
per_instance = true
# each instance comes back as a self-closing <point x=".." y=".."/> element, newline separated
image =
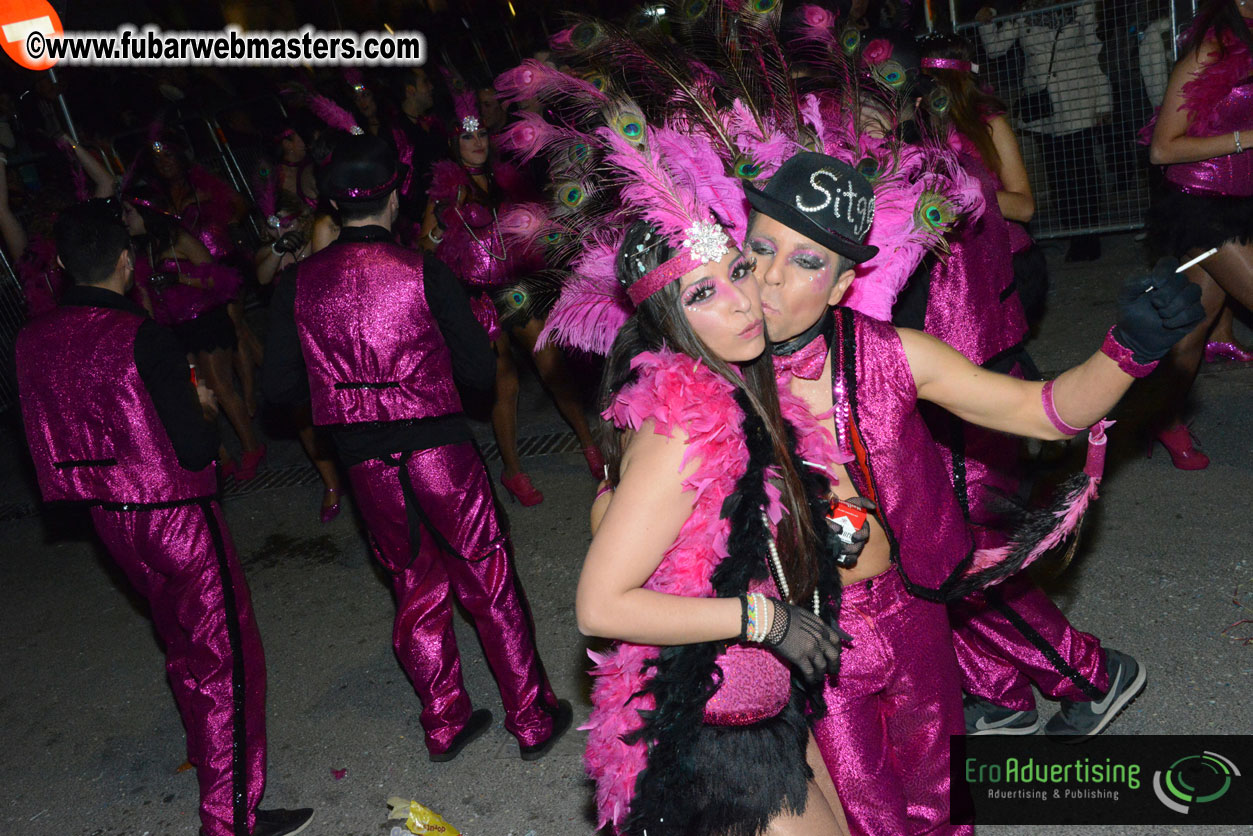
<point x="211" y="331"/>
<point x="738" y="779"/>
<point x="1180" y="223"/>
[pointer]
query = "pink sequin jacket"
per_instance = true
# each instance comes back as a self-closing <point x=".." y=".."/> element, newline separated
<point x="677" y="394"/>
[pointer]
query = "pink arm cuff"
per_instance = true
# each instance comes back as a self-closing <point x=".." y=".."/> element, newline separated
<point x="1122" y="356"/>
<point x="1050" y="409"/>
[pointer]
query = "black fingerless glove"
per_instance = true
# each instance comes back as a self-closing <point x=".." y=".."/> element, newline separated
<point x="802" y="639"/>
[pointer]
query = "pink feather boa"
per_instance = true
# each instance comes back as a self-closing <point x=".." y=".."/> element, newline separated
<point x="1209" y="87"/>
<point x="679" y="395"/>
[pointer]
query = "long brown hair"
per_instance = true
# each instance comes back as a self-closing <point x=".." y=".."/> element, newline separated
<point x="658" y="322"/>
<point x="1220" y="16"/>
<point x="969" y="106"/>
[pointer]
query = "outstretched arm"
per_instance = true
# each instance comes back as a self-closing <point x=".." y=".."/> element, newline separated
<point x="1155" y="312"/>
<point x="648" y="509"/>
<point x="943" y="376"/>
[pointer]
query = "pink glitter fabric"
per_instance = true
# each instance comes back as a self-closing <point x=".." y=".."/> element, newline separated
<point x="182" y="560"/>
<point x="453" y="490"/>
<point x="179" y="302"/>
<point x="891" y="712"/>
<point x="1000" y="664"/>
<point x="404" y="370"/>
<point x="972" y="305"/>
<point x="90" y="381"/>
<point x="1120" y="354"/>
<point x="1019" y="238"/>
<point x="95" y="436"/>
<point x="677" y="394"/>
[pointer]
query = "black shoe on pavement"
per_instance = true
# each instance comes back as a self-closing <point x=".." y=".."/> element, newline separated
<point x="1077" y="721"/>
<point x="563" y="717"/>
<point x="479" y="722"/>
<point x="280" y="822"/>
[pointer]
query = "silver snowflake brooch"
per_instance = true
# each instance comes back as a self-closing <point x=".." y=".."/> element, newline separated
<point x="707" y="240"/>
<point x="469" y="124"/>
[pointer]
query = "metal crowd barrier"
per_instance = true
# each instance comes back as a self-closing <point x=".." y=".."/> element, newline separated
<point x="12" y="317"/>
<point x="1080" y="80"/>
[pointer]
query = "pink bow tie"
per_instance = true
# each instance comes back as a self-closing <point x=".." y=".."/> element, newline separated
<point x="806" y="363"/>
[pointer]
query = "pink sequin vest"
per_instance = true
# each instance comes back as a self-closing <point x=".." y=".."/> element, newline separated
<point x="94" y="433"/>
<point x="371" y="345"/>
<point x="972" y="305"/>
<point x="897" y="464"/>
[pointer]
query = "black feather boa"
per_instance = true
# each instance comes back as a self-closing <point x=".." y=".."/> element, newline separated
<point x="729" y="780"/>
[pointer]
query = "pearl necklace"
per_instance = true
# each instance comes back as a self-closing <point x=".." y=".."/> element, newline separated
<point x="487" y="246"/>
<point x="776" y="566"/>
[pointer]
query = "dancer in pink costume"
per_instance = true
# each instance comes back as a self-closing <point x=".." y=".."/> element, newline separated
<point x="1010" y="637"/>
<point x="469" y="195"/>
<point x="382" y="335"/>
<point x="113" y="422"/>
<point x="706" y="626"/>
<point x="1207" y="201"/>
<point x="895" y="701"/>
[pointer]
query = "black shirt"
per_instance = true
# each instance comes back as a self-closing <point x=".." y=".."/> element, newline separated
<point x="429" y="138"/>
<point x="285" y="379"/>
<point x="162" y="366"/>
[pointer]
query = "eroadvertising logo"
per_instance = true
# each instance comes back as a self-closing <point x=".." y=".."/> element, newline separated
<point x="1149" y="779"/>
<point x="1194" y="779"/>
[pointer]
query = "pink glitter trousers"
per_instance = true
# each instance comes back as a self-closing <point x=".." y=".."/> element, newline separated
<point x="897" y="700"/>
<point x="182" y="560"/>
<point x="475" y="563"/>
<point x="1011" y="636"/>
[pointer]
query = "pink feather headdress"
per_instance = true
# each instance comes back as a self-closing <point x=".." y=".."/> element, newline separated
<point x="677" y="182"/>
<point x="333" y="114"/>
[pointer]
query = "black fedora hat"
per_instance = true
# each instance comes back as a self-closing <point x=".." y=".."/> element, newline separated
<point x="823" y="199"/>
<point x="363" y="167"/>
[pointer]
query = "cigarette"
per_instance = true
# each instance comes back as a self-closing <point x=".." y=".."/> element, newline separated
<point x="1197" y="260"/>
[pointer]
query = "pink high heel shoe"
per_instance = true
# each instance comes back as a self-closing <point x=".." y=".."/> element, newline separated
<point x="248" y="464"/>
<point x="1226" y="353"/>
<point x="330" y="512"/>
<point x="521" y="489"/>
<point x="595" y="461"/>
<point x="1178" y="441"/>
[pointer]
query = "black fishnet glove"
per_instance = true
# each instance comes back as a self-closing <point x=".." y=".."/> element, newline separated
<point x="1156" y="311"/>
<point x="800" y="637"/>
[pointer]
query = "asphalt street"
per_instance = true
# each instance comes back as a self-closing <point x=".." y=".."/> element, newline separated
<point x="93" y="744"/>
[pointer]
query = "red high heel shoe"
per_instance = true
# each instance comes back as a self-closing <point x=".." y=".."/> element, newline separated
<point x="521" y="489"/>
<point x="595" y="461"/>
<point x="248" y="464"/>
<point x="1178" y="441"/>
<point x="330" y="512"/>
<point x="1226" y="352"/>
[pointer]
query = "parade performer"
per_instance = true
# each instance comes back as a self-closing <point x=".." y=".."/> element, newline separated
<point x="1207" y="202"/>
<point x="380" y="337"/>
<point x="710" y="481"/>
<point x="469" y="195"/>
<point x="114" y="423"/>
<point x="895" y="702"/>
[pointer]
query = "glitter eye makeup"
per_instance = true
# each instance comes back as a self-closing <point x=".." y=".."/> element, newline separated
<point x="761" y="246"/>
<point x="699" y="292"/>
<point x="808" y="260"/>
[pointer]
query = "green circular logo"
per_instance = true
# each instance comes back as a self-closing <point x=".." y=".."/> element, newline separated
<point x="1194" y="779"/>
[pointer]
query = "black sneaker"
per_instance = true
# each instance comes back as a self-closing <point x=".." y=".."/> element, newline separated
<point x="983" y="717"/>
<point x="280" y="822"/>
<point x="1077" y="721"/>
<point x="479" y="722"/>
<point x="563" y="717"/>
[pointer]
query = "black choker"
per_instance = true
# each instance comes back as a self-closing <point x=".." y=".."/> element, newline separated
<point x="825" y="327"/>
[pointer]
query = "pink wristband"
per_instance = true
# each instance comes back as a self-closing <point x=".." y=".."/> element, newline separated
<point x="1122" y="356"/>
<point x="602" y="490"/>
<point x="1050" y="409"/>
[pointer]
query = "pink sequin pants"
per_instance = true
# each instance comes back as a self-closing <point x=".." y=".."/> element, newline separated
<point x="180" y="559"/>
<point x="897" y="700"/>
<point x="452" y="488"/>
<point x="1012" y="636"/>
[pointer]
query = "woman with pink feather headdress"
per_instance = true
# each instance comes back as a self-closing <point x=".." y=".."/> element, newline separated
<point x="469" y="196"/>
